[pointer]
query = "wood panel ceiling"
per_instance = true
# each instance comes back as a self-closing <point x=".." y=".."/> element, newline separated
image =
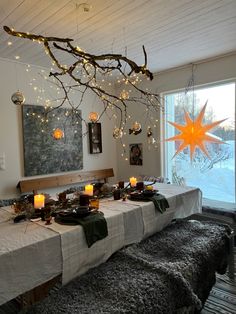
<point x="174" y="32"/>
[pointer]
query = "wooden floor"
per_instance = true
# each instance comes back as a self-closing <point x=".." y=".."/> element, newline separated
<point x="222" y="298"/>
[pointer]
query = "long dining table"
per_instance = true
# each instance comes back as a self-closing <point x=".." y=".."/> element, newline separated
<point x="32" y="253"/>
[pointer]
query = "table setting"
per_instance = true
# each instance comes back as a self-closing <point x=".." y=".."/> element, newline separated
<point x="65" y="247"/>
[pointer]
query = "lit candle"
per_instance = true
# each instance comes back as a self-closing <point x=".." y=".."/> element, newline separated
<point x="39" y="200"/>
<point x="89" y="189"/>
<point x="133" y="181"/>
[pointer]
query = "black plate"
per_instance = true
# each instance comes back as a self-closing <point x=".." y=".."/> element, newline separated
<point x="149" y="192"/>
<point x="140" y="196"/>
<point x="79" y="211"/>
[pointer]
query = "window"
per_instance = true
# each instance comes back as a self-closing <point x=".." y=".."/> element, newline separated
<point x="215" y="176"/>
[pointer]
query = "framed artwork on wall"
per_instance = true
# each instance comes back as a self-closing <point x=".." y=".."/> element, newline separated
<point x="95" y="138"/>
<point x="136" y="154"/>
<point x="51" y="147"/>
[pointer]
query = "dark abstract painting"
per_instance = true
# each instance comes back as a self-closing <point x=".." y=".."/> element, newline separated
<point x="43" y="154"/>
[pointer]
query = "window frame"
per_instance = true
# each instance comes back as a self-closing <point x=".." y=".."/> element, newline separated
<point x="163" y="126"/>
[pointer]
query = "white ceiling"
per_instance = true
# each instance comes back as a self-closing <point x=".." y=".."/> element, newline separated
<point x="174" y="32"/>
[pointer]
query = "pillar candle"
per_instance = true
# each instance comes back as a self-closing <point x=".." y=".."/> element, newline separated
<point x="39" y="200"/>
<point x="133" y="181"/>
<point x="89" y="189"/>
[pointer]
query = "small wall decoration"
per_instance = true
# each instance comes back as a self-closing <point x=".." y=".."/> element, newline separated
<point x="136" y="154"/>
<point x="42" y="153"/>
<point x="95" y="138"/>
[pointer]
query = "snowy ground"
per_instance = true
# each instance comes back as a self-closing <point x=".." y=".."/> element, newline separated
<point x="217" y="183"/>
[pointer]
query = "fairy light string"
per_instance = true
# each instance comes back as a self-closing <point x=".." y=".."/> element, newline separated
<point x="90" y="72"/>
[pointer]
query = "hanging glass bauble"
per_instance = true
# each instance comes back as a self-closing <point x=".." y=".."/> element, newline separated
<point x="149" y="132"/>
<point x="58" y="134"/>
<point x="124" y="94"/>
<point x="18" y="98"/>
<point x="93" y="116"/>
<point x="136" y="126"/>
<point x="117" y="133"/>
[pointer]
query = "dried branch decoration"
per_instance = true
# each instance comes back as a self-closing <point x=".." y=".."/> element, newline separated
<point x="87" y="72"/>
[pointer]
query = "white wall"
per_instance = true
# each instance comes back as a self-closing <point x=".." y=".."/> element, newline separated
<point x="150" y="156"/>
<point x="219" y="69"/>
<point x="13" y="76"/>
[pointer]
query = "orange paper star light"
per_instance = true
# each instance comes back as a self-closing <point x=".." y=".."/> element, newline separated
<point x="194" y="133"/>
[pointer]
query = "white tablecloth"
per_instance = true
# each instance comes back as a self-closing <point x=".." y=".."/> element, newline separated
<point x="29" y="256"/>
<point x="183" y="202"/>
<point x="32" y="253"/>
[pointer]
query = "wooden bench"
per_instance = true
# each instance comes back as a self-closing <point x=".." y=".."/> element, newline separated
<point x="64" y="179"/>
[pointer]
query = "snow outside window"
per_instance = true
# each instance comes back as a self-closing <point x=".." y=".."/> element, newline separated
<point x="215" y="176"/>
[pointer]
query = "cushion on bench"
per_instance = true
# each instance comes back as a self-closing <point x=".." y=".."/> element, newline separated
<point x="170" y="272"/>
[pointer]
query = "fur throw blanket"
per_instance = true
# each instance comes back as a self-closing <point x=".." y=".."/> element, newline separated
<point x="172" y="270"/>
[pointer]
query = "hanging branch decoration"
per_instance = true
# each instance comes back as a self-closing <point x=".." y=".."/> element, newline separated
<point x="194" y="133"/>
<point x="87" y="72"/>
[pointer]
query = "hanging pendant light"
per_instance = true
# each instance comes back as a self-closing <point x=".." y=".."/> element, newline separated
<point x="93" y="116"/>
<point x="58" y="134"/>
<point x="18" y="98"/>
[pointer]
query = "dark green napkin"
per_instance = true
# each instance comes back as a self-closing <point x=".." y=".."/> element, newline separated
<point x="94" y="225"/>
<point x="158" y="200"/>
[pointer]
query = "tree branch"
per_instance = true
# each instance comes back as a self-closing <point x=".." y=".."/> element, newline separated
<point x="88" y="70"/>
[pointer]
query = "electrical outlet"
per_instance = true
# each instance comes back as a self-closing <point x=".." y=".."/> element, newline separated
<point x="2" y="161"/>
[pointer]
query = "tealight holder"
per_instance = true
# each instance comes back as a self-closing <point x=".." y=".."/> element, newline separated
<point x="116" y="194"/>
<point x="140" y="186"/>
<point x="84" y="200"/>
<point x="94" y="202"/>
<point x="121" y="184"/>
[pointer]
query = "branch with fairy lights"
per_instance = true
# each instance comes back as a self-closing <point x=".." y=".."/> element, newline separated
<point x="88" y="72"/>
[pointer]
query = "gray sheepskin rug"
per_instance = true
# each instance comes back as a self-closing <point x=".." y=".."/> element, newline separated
<point x="170" y="272"/>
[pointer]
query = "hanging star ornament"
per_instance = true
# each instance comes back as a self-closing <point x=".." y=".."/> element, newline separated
<point x="194" y="133"/>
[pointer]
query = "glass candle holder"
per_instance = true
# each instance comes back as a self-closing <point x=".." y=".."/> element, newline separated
<point x="94" y="203"/>
<point x="116" y="194"/>
<point x="121" y="184"/>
